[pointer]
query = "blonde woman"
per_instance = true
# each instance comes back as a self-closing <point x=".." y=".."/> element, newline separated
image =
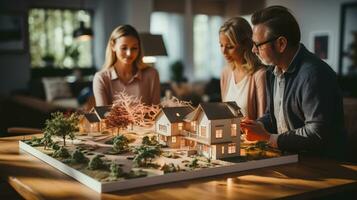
<point x="243" y="79"/>
<point x="123" y="70"/>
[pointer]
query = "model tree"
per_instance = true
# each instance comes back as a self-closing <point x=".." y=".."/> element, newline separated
<point x="145" y="153"/>
<point x="61" y="125"/>
<point x="118" y="118"/>
<point x="46" y="140"/>
<point x="137" y="112"/>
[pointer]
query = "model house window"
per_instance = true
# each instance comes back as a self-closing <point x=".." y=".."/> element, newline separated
<point x="234" y="130"/>
<point x="203" y="131"/>
<point x="173" y="139"/>
<point x="162" y="128"/>
<point x="193" y="125"/>
<point x="180" y="125"/>
<point x="51" y="38"/>
<point x="163" y="138"/>
<point x="219" y="133"/>
<point x="222" y="149"/>
<point x="170" y="26"/>
<point x="208" y="60"/>
<point x="231" y="148"/>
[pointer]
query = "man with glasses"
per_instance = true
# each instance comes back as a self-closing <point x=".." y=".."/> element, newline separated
<point x="305" y="111"/>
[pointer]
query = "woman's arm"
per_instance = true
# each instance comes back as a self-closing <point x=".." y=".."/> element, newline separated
<point x="100" y="95"/>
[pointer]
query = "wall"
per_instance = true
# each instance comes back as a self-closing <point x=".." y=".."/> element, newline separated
<point x="15" y="67"/>
<point x="317" y="15"/>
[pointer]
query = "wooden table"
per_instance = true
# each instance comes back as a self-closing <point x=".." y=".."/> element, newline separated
<point x="309" y="178"/>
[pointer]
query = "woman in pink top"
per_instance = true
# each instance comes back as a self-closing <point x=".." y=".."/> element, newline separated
<point x="243" y="80"/>
<point x="123" y="70"/>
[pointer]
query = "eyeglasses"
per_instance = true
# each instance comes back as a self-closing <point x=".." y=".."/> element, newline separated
<point x="265" y="42"/>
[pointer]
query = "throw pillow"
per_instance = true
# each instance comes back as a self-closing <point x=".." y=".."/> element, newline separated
<point x="56" y="88"/>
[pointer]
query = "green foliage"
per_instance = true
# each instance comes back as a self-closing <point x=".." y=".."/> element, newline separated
<point x="62" y="152"/>
<point x="120" y="144"/>
<point x="95" y="163"/>
<point x="115" y="170"/>
<point x="46" y="140"/>
<point x="194" y="163"/>
<point x="55" y="146"/>
<point x="177" y="70"/>
<point x="136" y="174"/>
<point x="146" y="141"/>
<point x="144" y="153"/>
<point x="150" y="141"/>
<point x="61" y="125"/>
<point x="78" y="157"/>
<point x="48" y="57"/>
<point x="170" y="168"/>
<point x="35" y="141"/>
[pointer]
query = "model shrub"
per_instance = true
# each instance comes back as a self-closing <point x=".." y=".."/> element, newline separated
<point x="78" y="157"/>
<point x="62" y="152"/>
<point x="120" y="144"/>
<point x="95" y="163"/>
<point x="169" y="168"/>
<point x="115" y="170"/>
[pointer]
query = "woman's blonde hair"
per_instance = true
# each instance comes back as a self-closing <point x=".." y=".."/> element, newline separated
<point x="238" y="31"/>
<point x="118" y="32"/>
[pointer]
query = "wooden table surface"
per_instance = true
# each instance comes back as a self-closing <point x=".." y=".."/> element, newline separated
<point x="309" y="178"/>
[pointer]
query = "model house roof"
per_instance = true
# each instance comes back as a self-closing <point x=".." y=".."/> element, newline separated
<point x="214" y="110"/>
<point x="217" y="110"/>
<point x="91" y="117"/>
<point x="236" y="109"/>
<point x="101" y="111"/>
<point x="176" y="114"/>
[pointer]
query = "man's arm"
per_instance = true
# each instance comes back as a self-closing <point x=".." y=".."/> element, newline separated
<point x="318" y="94"/>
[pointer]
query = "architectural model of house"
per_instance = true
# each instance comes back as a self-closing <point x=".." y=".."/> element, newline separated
<point x="94" y="120"/>
<point x="212" y="129"/>
<point x="181" y="143"/>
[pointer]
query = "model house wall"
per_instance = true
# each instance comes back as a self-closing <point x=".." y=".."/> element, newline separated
<point x="213" y="138"/>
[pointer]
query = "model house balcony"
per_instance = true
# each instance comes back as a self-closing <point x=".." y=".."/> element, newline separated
<point x="195" y="137"/>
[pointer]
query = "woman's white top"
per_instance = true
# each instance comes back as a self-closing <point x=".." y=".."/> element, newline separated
<point x="238" y="93"/>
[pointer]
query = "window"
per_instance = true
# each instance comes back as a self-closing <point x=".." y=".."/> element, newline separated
<point x="170" y="25"/>
<point x="180" y="125"/>
<point x="234" y="130"/>
<point x="203" y="131"/>
<point x="173" y="139"/>
<point x="219" y="133"/>
<point x="51" y="38"/>
<point x="162" y="128"/>
<point x="208" y="59"/>
<point x="222" y="149"/>
<point x="231" y="148"/>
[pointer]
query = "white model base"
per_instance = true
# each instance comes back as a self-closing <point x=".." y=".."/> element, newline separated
<point x="153" y="180"/>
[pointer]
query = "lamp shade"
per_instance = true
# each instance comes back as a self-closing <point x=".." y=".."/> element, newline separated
<point x="82" y="31"/>
<point x="152" y="44"/>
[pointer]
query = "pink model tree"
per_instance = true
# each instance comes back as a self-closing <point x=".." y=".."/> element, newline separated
<point x="137" y="112"/>
<point x="117" y="118"/>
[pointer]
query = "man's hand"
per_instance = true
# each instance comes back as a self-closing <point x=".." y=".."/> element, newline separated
<point x="254" y="130"/>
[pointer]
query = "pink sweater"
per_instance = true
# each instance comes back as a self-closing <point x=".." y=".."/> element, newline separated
<point x="256" y="92"/>
<point x="144" y="84"/>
